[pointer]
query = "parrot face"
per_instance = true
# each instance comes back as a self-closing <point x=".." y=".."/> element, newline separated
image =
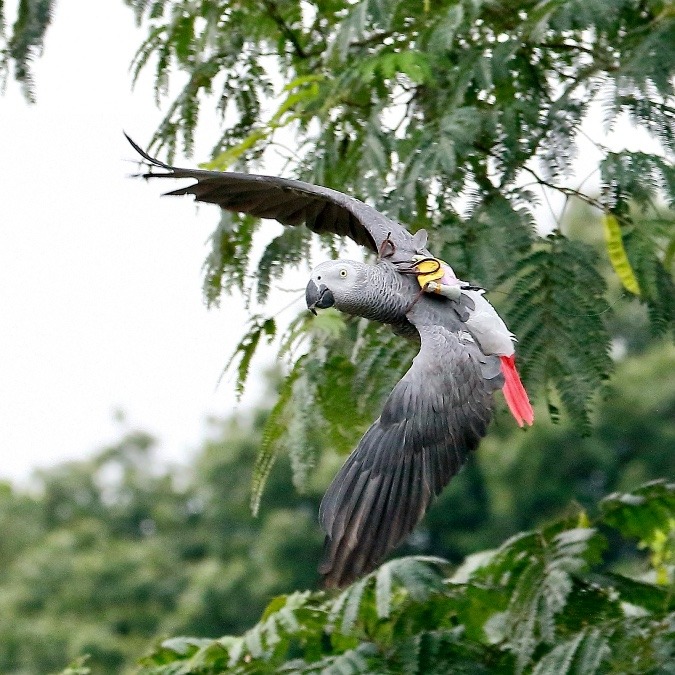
<point x="335" y="283"/>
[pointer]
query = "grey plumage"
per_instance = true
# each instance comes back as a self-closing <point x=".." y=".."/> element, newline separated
<point x="291" y="202"/>
<point x="436" y="414"/>
<point x="434" y="417"/>
<point x="428" y="426"/>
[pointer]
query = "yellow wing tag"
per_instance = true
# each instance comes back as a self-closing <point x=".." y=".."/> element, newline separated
<point x="430" y="270"/>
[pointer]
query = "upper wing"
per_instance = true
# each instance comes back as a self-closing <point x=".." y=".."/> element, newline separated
<point x="434" y="417"/>
<point x="291" y="202"/>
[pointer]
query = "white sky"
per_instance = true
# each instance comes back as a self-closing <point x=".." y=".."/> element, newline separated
<point x="100" y="280"/>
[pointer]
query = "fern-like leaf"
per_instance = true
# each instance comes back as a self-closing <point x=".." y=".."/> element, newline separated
<point x="582" y="653"/>
<point x="275" y="427"/>
<point x="289" y="249"/>
<point x="556" y="308"/>
<point x="259" y="327"/>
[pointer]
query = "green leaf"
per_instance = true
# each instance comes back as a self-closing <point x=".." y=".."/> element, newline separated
<point x="557" y="308"/>
<point x="643" y="512"/>
<point x="641" y="594"/>
<point x="274" y="430"/>
<point x="582" y="654"/>
<point x="258" y="327"/>
<point x="649" y="515"/>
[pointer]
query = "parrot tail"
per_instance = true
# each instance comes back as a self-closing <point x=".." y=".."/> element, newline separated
<point x="514" y="392"/>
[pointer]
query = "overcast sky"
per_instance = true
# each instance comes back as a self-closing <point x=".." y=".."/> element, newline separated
<point x="100" y="279"/>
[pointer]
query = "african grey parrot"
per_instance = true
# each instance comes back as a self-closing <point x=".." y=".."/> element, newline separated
<point x="438" y="412"/>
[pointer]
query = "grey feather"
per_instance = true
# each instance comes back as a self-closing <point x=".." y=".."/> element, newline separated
<point x="291" y="202"/>
<point x="433" y="419"/>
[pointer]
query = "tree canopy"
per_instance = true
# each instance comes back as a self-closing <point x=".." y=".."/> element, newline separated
<point x="463" y="117"/>
<point x="539" y="603"/>
<point x="111" y="556"/>
<point x="460" y="116"/>
<point x="457" y="116"/>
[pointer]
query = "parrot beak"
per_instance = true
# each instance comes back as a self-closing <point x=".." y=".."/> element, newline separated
<point x="318" y="297"/>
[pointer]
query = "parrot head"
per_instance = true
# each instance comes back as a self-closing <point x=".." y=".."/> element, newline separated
<point x="335" y="283"/>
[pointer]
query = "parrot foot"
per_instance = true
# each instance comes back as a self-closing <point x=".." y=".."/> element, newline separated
<point x="383" y="252"/>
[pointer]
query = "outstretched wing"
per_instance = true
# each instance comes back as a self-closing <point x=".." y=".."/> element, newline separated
<point x="434" y="417"/>
<point x="291" y="202"/>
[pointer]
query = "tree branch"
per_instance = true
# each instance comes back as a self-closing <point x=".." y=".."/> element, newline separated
<point x="567" y="191"/>
<point x="286" y="30"/>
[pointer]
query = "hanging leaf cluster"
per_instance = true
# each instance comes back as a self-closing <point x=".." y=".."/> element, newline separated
<point x="334" y="391"/>
<point x="20" y="46"/>
<point x="545" y="602"/>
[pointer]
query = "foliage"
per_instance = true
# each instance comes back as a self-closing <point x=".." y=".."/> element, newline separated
<point x="454" y="115"/>
<point x="20" y="47"/>
<point x="543" y="602"/>
<point x="458" y="116"/>
<point x="108" y="556"/>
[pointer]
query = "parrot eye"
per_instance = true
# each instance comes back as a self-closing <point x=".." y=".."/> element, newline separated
<point x="343" y="273"/>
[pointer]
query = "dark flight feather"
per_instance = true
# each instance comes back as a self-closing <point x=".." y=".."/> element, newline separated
<point x="434" y="417"/>
<point x="291" y="202"/>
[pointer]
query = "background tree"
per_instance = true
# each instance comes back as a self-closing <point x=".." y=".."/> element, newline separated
<point x="451" y="115"/>
<point x="455" y="116"/>
<point x="105" y="555"/>
<point x="543" y="602"/>
<point x="109" y="556"/>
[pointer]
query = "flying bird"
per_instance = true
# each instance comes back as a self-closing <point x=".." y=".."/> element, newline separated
<point x="440" y="409"/>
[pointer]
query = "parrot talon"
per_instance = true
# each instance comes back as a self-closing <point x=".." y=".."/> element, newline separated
<point x="381" y="254"/>
<point x="413" y="265"/>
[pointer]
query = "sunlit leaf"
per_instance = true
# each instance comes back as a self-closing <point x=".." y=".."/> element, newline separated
<point x="617" y="254"/>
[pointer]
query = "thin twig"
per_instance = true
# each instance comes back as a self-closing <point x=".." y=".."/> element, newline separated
<point x="275" y="15"/>
<point x="571" y="192"/>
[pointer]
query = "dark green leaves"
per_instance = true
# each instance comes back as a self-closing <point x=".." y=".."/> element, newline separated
<point x="289" y="249"/>
<point x="635" y="185"/>
<point x="342" y="372"/>
<point x="647" y="514"/>
<point x="541" y="604"/>
<point x="636" y="176"/>
<point x="455" y="116"/>
<point x="258" y="327"/>
<point x="641" y="513"/>
<point x="225" y="265"/>
<point x="556" y="308"/>
<point x="491" y="241"/>
<point x="25" y="42"/>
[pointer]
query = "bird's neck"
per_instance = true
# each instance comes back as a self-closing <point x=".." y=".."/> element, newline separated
<point x="386" y="296"/>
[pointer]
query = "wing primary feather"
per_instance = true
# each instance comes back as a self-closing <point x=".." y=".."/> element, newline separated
<point x="341" y="214"/>
<point x="431" y="421"/>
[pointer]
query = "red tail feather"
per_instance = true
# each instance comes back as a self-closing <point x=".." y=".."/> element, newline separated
<point x="514" y="392"/>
